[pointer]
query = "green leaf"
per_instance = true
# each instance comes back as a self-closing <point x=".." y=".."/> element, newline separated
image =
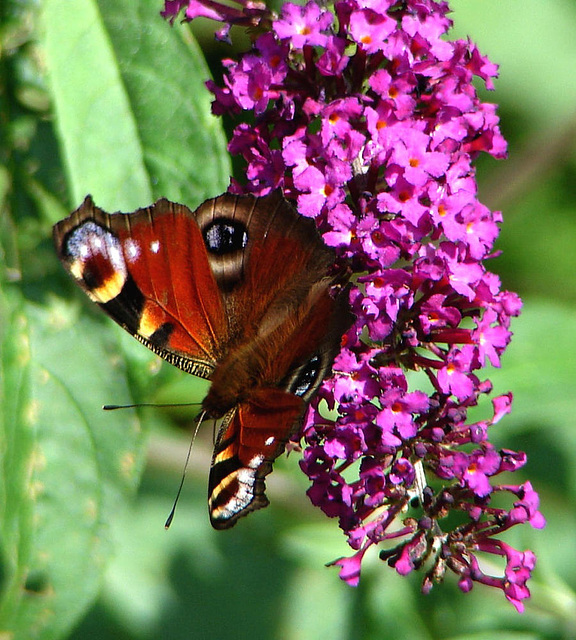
<point x="132" y="111"/>
<point x="526" y="44"/>
<point x="539" y="368"/>
<point x="66" y="466"/>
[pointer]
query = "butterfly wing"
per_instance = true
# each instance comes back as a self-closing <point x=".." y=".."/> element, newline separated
<point x="149" y="271"/>
<point x="273" y="259"/>
<point x="255" y="432"/>
<point x="252" y="436"/>
<point x="192" y="285"/>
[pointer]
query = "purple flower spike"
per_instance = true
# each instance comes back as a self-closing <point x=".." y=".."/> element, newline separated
<point x="366" y="116"/>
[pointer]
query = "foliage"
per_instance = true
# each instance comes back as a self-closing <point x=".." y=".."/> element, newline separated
<point x="92" y="101"/>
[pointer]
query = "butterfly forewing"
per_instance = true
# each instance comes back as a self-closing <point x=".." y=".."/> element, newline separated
<point x="149" y="271"/>
<point x="282" y="251"/>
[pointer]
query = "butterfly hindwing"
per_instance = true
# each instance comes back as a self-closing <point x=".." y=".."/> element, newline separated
<point x="252" y="436"/>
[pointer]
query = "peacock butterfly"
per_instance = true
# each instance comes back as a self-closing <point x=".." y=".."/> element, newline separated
<point x="241" y="292"/>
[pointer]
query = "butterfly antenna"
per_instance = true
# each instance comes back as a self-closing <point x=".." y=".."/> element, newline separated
<point x="113" y="407"/>
<point x="192" y="440"/>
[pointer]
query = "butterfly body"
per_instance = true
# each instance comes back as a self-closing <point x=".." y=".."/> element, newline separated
<point x="241" y="292"/>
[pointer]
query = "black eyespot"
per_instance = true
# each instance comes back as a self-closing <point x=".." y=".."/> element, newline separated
<point x="92" y="279"/>
<point x="160" y="337"/>
<point x="224" y="236"/>
<point x="306" y="377"/>
<point x="126" y="308"/>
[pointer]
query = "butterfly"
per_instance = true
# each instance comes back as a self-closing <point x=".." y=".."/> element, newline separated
<point x="242" y="292"/>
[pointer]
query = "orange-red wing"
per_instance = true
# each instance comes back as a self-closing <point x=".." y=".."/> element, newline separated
<point x="251" y="438"/>
<point x="149" y="271"/>
<point x="282" y="259"/>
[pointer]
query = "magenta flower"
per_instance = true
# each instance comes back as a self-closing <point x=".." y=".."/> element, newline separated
<point x="370" y="28"/>
<point x="366" y="116"/>
<point x="306" y="25"/>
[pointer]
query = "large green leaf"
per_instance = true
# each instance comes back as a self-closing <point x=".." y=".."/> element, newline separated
<point x="132" y="111"/>
<point x="65" y="465"/>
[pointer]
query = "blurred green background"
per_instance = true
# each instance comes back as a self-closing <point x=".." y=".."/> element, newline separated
<point x="104" y="97"/>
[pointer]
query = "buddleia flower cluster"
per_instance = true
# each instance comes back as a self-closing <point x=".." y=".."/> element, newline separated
<point x="365" y="115"/>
